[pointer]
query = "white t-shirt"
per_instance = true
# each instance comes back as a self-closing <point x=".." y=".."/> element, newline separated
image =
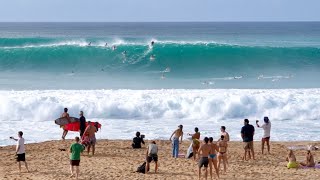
<point x="20" y="143"/>
<point x="266" y="128"/>
<point x="153" y="149"/>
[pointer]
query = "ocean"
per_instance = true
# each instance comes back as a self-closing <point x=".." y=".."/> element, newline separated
<point x="196" y="74"/>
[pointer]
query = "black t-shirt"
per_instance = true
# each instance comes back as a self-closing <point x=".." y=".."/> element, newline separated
<point x="137" y="142"/>
<point x="82" y="123"/>
<point x="248" y="131"/>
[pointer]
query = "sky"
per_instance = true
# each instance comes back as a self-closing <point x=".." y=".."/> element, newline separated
<point x="158" y="10"/>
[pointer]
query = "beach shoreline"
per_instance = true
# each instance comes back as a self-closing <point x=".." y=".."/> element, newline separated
<point x="115" y="159"/>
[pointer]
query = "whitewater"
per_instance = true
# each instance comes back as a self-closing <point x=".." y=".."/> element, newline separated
<point x="196" y="74"/>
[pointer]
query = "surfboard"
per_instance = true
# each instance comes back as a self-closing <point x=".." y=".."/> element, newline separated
<point x="75" y="126"/>
<point x="63" y="121"/>
<point x="189" y="152"/>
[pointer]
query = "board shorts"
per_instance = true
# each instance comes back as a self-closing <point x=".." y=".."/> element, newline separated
<point x="152" y="157"/>
<point x="212" y="156"/>
<point x="74" y="162"/>
<point x="292" y="165"/>
<point x="92" y="141"/>
<point x="204" y="161"/>
<point x="21" y="157"/>
<point x="248" y="145"/>
<point x="266" y="139"/>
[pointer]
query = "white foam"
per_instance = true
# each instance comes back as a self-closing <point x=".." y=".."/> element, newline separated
<point x="157" y="112"/>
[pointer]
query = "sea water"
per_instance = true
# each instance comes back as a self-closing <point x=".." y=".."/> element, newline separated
<point x="201" y="74"/>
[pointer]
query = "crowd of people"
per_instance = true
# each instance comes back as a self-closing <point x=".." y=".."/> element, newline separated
<point x="208" y="153"/>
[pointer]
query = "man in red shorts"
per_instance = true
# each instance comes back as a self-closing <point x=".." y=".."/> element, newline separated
<point x="266" y="135"/>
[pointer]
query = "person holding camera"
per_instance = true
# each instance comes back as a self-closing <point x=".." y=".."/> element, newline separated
<point x="266" y="135"/>
<point x="20" y="150"/>
<point x="137" y="141"/>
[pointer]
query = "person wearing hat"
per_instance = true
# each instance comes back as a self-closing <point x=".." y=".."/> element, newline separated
<point x="266" y="135"/>
<point x="175" y="143"/>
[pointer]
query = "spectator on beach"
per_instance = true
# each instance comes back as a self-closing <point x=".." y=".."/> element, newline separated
<point x="175" y="144"/>
<point x="65" y="114"/>
<point x="213" y="157"/>
<point x="152" y="155"/>
<point x="224" y="133"/>
<point x="195" y="142"/>
<point x="203" y="153"/>
<point x="82" y="124"/>
<point x="247" y="133"/>
<point x="20" y="150"/>
<point x="309" y="160"/>
<point x="266" y="133"/>
<point x="90" y="137"/>
<point x="137" y="141"/>
<point x="292" y="161"/>
<point x="75" y="151"/>
<point x="222" y="155"/>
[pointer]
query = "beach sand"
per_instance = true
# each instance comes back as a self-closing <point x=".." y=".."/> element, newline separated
<point x="114" y="159"/>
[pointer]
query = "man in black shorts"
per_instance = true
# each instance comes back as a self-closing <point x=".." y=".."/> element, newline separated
<point x="20" y="150"/>
<point x="75" y="150"/>
<point x="204" y="152"/>
<point x="152" y="155"/>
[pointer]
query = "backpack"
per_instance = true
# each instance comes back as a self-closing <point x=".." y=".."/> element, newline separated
<point x="142" y="168"/>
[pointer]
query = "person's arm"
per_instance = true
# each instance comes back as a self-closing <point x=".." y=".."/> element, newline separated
<point x="13" y="138"/>
<point x="172" y="134"/>
<point x="142" y="141"/>
<point x="18" y="148"/>
<point x="85" y="131"/>
<point x="181" y="137"/>
<point x="216" y="148"/>
<point x="200" y="149"/>
<point x="257" y="123"/>
<point x="147" y="152"/>
<point x="71" y="149"/>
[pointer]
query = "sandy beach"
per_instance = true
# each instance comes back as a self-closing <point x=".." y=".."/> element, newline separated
<point x="115" y="159"/>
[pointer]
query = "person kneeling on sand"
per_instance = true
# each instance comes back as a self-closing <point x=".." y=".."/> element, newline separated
<point x="75" y="150"/>
<point x="152" y="155"/>
<point x="203" y="153"/>
<point x="309" y="160"/>
<point x="292" y="161"/>
<point x="137" y="141"/>
<point x="20" y="150"/>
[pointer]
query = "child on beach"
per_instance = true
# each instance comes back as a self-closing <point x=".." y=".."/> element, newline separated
<point x="20" y="150"/>
<point x="75" y="150"/>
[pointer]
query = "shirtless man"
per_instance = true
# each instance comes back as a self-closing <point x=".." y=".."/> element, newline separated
<point x="222" y="156"/>
<point x="175" y="144"/>
<point x="195" y="142"/>
<point x="203" y="153"/>
<point x="65" y="114"/>
<point x="224" y="133"/>
<point x="213" y="157"/>
<point x="90" y="133"/>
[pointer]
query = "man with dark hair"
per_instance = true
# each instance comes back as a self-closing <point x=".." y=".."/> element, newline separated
<point x="203" y="153"/>
<point x="91" y="137"/>
<point x="75" y="150"/>
<point x="224" y="133"/>
<point x="137" y="141"/>
<point x="82" y="123"/>
<point x="266" y="133"/>
<point x="20" y="150"/>
<point x="247" y="133"/>
<point x="65" y="114"/>
<point x="195" y="142"/>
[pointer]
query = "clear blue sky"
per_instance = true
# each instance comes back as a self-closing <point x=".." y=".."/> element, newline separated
<point x="158" y="10"/>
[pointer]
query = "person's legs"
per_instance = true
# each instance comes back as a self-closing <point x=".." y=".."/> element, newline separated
<point x="156" y="167"/>
<point x="206" y="172"/>
<point x="71" y="169"/>
<point x="194" y="150"/>
<point x="224" y="158"/>
<point x="147" y="167"/>
<point x="77" y="172"/>
<point x="64" y="134"/>
<point x="214" y="162"/>
<point x="219" y="161"/>
<point x="210" y="167"/>
<point x="199" y="173"/>
<point x="175" y="148"/>
<point x="25" y="163"/>
<point x="252" y="150"/>
<point x="268" y="145"/>
<point x="93" y="149"/>
<point x="262" y="144"/>
<point x="88" y="149"/>
<point x="19" y="164"/>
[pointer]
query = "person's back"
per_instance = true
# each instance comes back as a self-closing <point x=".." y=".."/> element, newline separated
<point x="248" y="132"/>
<point x="76" y="150"/>
<point x="91" y="130"/>
<point x="137" y="141"/>
<point x="153" y="149"/>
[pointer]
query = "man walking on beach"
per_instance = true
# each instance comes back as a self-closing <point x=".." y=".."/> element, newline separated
<point x="75" y="150"/>
<point x="175" y="144"/>
<point x="20" y="150"/>
<point x="65" y="114"/>
<point x="82" y="123"/>
<point x="247" y="133"/>
<point x="91" y="137"/>
<point x="203" y="153"/>
<point x="266" y="133"/>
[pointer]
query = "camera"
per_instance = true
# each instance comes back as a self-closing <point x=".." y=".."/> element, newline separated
<point x="143" y="136"/>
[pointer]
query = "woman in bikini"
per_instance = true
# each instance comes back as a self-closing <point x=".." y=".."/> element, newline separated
<point x="213" y="157"/>
<point x="222" y="155"/>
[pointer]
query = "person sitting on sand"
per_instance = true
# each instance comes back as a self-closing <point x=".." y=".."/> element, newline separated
<point x="137" y="141"/>
<point x="152" y="155"/>
<point x="75" y="150"/>
<point x="247" y="133"/>
<point x="89" y="135"/>
<point x="266" y="135"/>
<point x="309" y="160"/>
<point x="20" y="150"/>
<point x="203" y="153"/>
<point x="175" y="144"/>
<point x="292" y="161"/>
<point x="195" y="142"/>
<point x="222" y="156"/>
<point x="65" y="114"/>
<point x="213" y="157"/>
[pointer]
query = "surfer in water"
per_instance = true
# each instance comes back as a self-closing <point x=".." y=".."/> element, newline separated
<point x="106" y="44"/>
<point x="89" y="44"/>
<point x="65" y="114"/>
<point x="152" y="57"/>
<point x="152" y="43"/>
<point x="114" y="47"/>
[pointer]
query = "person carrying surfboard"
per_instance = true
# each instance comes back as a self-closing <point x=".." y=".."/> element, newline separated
<point x="65" y="114"/>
